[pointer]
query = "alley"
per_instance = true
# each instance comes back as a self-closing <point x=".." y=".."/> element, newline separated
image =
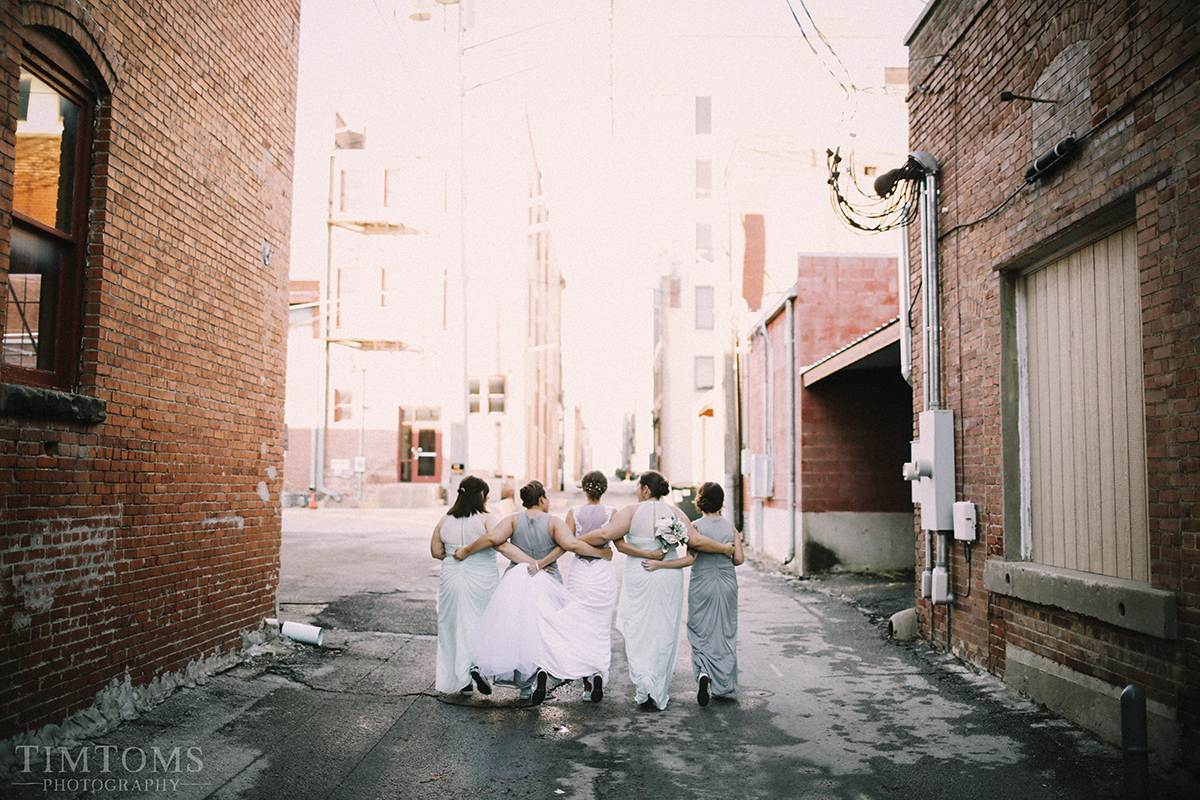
<point x="829" y="707"/>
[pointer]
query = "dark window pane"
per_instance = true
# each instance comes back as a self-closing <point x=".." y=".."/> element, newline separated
<point x="703" y="115"/>
<point x="35" y="265"/>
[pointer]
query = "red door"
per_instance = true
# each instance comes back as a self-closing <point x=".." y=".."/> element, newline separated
<point x="419" y="459"/>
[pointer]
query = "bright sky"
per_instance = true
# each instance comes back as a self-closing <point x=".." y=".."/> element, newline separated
<point x="584" y="72"/>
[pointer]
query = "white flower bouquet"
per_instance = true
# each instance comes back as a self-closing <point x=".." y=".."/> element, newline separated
<point x="671" y="531"/>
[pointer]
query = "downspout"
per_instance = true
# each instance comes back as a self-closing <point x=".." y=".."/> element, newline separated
<point x="794" y="553"/>
<point x="768" y="440"/>
<point x="937" y="563"/>
<point x="317" y="473"/>
<point x="904" y="295"/>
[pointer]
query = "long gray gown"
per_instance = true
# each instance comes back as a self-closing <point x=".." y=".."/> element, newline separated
<point x="712" y="611"/>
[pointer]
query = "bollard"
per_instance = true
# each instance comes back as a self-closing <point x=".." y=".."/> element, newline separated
<point x="1135" y="743"/>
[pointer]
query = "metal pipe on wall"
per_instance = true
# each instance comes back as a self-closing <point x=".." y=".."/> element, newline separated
<point x="794" y="553"/>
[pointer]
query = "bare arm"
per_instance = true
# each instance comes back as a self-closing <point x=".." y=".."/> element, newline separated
<point x="671" y="563"/>
<point x="699" y="542"/>
<point x="617" y="527"/>
<point x="739" y="555"/>
<point x="495" y="537"/>
<point x="436" y="547"/>
<point x="564" y="537"/>
<point x="637" y="552"/>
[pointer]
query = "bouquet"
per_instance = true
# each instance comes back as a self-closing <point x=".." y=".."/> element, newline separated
<point x="671" y="531"/>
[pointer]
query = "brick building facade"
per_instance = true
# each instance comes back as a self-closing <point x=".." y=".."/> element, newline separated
<point x="1067" y="286"/>
<point x="848" y="417"/>
<point x="143" y="296"/>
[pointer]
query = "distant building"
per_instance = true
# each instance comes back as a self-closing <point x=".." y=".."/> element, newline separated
<point x="381" y="410"/>
<point x="741" y="191"/>
<point x="146" y="223"/>
<point x="543" y="396"/>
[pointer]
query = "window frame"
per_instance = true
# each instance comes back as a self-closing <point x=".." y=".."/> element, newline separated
<point x="52" y="63"/>
<point x="708" y="366"/>
<point x="706" y="308"/>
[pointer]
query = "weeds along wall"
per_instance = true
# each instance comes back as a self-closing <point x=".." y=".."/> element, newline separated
<point x="140" y="476"/>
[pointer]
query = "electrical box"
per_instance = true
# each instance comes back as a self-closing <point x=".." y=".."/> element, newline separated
<point x="762" y="479"/>
<point x="964" y="521"/>
<point x="931" y="470"/>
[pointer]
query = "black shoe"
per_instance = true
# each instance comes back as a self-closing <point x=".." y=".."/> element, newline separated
<point x="649" y="705"/>
<point x="597" y="689"/>
<point x="702" y="694"/>
<point x="539" y="691"/>
<point x="480" y="683"/>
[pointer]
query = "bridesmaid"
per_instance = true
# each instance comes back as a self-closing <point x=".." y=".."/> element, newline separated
<point x="713" y="601"/>
<point x="650" y="611"/>
<point x="465" y="587"/>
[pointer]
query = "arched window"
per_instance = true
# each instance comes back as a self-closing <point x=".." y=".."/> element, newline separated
<point x="48" y="237"/>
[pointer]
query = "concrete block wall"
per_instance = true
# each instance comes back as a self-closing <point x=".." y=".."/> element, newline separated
<point x="133" y="546"/>
<point x="1103" y="59"/>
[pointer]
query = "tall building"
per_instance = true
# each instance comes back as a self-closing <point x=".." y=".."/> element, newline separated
<point x="145" y="225"/>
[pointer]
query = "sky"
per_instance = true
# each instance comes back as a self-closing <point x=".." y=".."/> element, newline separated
<point x="575" y="72"/>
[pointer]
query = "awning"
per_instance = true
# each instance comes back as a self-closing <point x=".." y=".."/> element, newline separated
<point x="879" y="349"/>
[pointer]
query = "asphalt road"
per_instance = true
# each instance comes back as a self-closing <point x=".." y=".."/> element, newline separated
<point x="829" y="708"/>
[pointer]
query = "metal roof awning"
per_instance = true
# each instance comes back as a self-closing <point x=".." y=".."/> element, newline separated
<point x="878" y="349"/>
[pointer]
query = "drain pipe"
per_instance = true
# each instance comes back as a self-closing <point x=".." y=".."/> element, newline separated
<point x="795" y="553"/>
<point x="935" y="581"/>
<point x="904" y="295"/>
<point x="768" y="440"/>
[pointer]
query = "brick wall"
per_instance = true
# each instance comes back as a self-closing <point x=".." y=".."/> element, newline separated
<point x="142" y="543"/>
<point x="854" y="441"/>
<point x="1099" y="57"/>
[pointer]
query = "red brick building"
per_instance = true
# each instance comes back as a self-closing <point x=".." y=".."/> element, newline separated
<point x="1067" y="248"/>
<point x="840" y="425"/>
<point x="146" y="164"/>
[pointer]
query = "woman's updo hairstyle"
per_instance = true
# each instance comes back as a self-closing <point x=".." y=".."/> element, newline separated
<point x="710" y="498"/>
<point x="471" y="499"/>
<point x="655" y="483"/>
<point x="594" y="484"/>
<point x="531" y="493"/>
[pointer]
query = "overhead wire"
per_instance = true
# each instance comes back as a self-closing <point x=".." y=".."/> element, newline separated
<point x="808" y="41"/>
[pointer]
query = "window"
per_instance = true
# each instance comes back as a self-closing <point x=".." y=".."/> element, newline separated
<point x="703" y="177"/>
<point x="473" y="395"/>
<point x="705" y="373"/>
<point x="703" y="115"/>
<point x="393" y="187"/>
<point x="42" y="309"/>
<point x="493" y="401"/>
<point x="343" y="405"/>
<point x="354" y="190"/>
<point x="496" y="394"/>
<point x="1081" y="412"/>
<point x="704" y="308"/>
<point x="704" y="241"/>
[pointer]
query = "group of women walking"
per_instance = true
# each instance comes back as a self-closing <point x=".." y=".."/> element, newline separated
<point x="527" y="628"/>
